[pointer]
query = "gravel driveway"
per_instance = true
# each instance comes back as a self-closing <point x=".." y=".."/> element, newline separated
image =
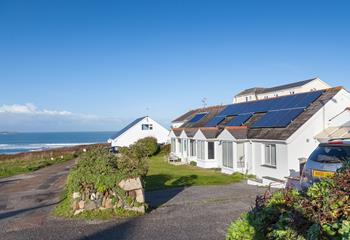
<point x="197" y="212"/>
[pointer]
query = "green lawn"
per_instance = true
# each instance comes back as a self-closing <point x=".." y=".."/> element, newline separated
<point x="162" y="175"/>
<point x="17" y="166"/>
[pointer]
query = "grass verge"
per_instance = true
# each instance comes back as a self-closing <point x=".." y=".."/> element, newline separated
<point x="17" y="166"/>
<point x="162" y="175"/>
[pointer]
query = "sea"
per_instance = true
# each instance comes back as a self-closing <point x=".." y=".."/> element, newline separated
<point x="11" y="143"/>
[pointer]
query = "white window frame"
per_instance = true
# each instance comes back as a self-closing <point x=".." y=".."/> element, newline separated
<point x="227" y="154"/>
<point x="173" y="145"/>
<point x="270" y="155"/>
<point x="211" y="142"/>
<point x="241" y="164"/>
<point x="146" y="127"/>
<point x="201" y="149"/>
<point x="193" y="147"/>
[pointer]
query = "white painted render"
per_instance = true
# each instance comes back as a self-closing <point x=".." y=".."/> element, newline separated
<point x="314" y="85"/>
<point x="136" y="133"/>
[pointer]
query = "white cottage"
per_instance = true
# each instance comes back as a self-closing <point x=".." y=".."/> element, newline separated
<point x="267" y="138"/>
<point x="138" y="129"/>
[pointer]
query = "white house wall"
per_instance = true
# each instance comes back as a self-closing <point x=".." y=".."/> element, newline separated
<point x="135" y="133"/>
<point x="280" y="171"/>
<point x="314" y="85"/>
<point x="303" y="142"/>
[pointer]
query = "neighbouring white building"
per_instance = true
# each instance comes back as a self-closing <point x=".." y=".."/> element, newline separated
<point x="258" y="93"/>
<point x="138" y="129"/>
<point x="265" y="137"/>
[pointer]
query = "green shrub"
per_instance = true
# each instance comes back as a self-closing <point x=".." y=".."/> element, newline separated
<point x="149" y="145"/>
<point x="165" y="149"/>
<point x="320" y="213"/>
<point x="100" y="171"/>
<point x="133" y="160"/>
<point x="193" y="163"/>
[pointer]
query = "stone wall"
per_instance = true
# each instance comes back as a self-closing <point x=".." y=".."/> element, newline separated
<point x="132" y="198"/>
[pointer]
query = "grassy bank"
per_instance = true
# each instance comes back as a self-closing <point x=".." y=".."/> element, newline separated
<point x="163" y="175"/>
<point x="31" y="161"/>
<point x="17" y="166"/>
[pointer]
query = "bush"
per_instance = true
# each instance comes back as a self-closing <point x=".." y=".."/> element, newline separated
<point x="149" y="145"/>
<point x="193" y="163"/>
<point x="165" y="149"/>
<point x="320" y="213"/>
<point x="99" y="171"/>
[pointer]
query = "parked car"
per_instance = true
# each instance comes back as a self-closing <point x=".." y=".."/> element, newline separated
<point x="325" y="160"/>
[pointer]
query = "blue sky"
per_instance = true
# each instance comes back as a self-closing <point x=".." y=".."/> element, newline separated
<point x="95" y="65"/>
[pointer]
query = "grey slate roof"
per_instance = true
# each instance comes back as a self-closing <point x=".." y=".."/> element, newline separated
<point x="259" y="90"/>
<point x="136" y="121"/>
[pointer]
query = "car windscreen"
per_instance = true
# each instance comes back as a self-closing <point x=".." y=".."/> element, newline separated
<point x="331" y="154"/>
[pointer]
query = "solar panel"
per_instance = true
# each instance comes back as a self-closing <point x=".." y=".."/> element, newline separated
<point x="215" y="121"/>
<point x="280" y="118"/>
<point x="197" y="117"/>
<point x="302" y="100"/>
<point x="239" y="120"/>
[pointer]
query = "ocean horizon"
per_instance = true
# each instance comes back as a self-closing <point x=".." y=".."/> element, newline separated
<point x="18" y="142"/>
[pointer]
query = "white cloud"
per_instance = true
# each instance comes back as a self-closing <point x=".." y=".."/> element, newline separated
<point x="30" y="108"/>
<point x="28" y="117"/>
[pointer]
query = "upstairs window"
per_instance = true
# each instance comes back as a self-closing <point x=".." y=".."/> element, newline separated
<point x="146" y="127"/>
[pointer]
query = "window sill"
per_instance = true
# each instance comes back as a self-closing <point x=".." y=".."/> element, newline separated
<point x="268" y="166"/>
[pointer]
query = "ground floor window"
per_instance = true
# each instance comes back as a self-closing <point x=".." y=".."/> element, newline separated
<point x="227" y="154"/>
<point x="200" y="150"/>
<point x="184" y="141"/>
<point x="270" y="154"/>
<point x="211" y="150"/>
<point x="173" y="145"/>
<point x="180" y="145"/>
<point x="240" y="155"/>
<point x="192" y="147"/>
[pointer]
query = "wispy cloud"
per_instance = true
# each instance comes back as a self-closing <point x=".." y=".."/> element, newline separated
<point x="30" y="108"/>
<point x="28" y="117"/>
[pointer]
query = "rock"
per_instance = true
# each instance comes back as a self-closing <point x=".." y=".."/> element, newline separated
<point x="140" y="196"/>
<point x="108" y="203"/>
<point x="76" y="195"/>
<point x="98" y="202"/>
<point x="103" y="201"/>
<point x="132" y="194"/>
<point x="75" y="205"/>
<point x="99" y="195"/>
<point x="140" y="209"/>
<point x="78" y="211"/>
<point x="81" y="204"/>
<point x="92" y="196"/>
<point x="90" y="205"/>
<point x="130" y="184"/>
<point x="120" y="204"/>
